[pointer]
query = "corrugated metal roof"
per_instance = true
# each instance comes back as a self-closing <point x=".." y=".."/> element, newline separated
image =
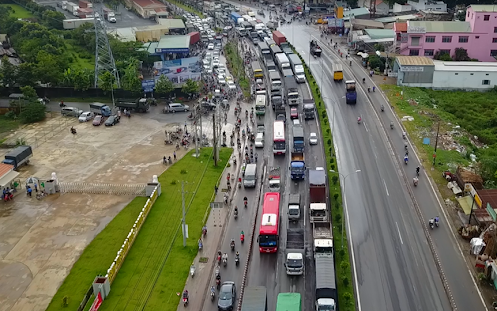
<point x="391" y="19"/>
<point x="355" y="12"/>
<point x="172" y="23"/>
<point x="325" y="278"/>
<point x="465" y="66"/>
<point x="368" y="23"/>
<point x="174" y="42"/>
<point x="436" y="26"/>
<point x="414" y="61"/>
<point x="380" y="33"/>
<point x="484" y="8"/>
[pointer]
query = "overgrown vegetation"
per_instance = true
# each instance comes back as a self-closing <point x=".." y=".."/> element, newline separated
<point x="236" y="67"/>
<point x="346" y="298"/>
<point x="186" y="8"/>
<point x="467" y="116"/>
<point x="58" y="57"/>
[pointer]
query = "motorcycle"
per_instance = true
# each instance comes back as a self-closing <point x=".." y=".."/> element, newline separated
<point x="415" y="181"/>
<point x="431" y="223"/>
<point x="213" y="294"/>
<point x="359" y="120"/>
<point x="236" y="214"/>
<point x="391" y="125"/>
<point x="200" y="245"/>
<point x="232" y="245"/>
<point x="61" y="105"/>
<point x="382" y="108"/>
<point x="245" y="203"/>
<point x="237" y="261"/>
<point x="204" y="231"/>
<point x="218" y="282"/>
<point x="242" y="238"/>
<point x="73" y="131"/>
<point x="404" y="135"/>
<point x="225" y="261"/>
<point x="192" y="270"/>
<point x="185" y="301"/>
<point x="406" y="159"/>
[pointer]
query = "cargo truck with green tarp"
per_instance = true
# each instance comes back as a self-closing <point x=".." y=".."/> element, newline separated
<point x="289" y="302"/>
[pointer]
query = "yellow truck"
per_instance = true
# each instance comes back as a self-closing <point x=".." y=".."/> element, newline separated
<point x="337" y="72"/>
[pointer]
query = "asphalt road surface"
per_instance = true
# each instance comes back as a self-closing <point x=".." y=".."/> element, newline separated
<point x="394" y="267"/>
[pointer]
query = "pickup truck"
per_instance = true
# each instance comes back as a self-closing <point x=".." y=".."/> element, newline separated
<point x="294" y="207"/>
<point x="19" y="156"/>
<point x="295" y="252"/>
<point x="297" y="166"/>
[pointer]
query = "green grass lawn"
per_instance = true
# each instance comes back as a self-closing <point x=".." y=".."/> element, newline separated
<point x="157" y="265"/>
<point x="97" y="257"/>
<point x="7" y="126"/>
<point x="18" y="11"/>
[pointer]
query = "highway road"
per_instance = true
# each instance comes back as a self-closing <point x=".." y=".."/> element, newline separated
<point x="268" y="269"/>
<point x="394" y="266"/>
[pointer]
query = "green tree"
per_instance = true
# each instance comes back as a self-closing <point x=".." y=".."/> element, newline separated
<point x="163" y="85"/>
<point x="48" y="68"/>
<point x="26" y="74"/>
<point x="107" y="81"/>
<point x="461" y="15"/>
<point x="376" y="62"/>
<point x="83" y="79"/>
<point x="8" y="72"/>
<point x="442" y="56"/>
<point x="461" y="55"/>
<point x="29" y="93"/>
<point x="53" y="19"/>
<point x="130" y="80"/>
<point x="190" y="87"/>
<point x="33" y="112"/>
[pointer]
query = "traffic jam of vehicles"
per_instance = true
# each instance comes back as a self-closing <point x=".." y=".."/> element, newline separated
<point x="279" y="84"/>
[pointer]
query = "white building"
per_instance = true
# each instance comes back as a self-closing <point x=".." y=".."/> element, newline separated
<point x="429" y="6"/>
<point x="418" y="71"/>
<point x="402" y="8"/>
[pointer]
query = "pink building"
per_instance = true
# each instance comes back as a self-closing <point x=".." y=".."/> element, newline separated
<point x="477" y="35"/>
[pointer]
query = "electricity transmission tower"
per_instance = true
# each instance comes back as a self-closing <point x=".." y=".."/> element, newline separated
<point x="104" y="60"/>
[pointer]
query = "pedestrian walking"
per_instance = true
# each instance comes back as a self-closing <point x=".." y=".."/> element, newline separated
<point x="29" y="190"/>
<point x="174" y="155"/>
<point x="36" y="187"/>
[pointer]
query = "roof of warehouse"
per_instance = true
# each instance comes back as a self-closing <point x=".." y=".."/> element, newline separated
<point x="414" y="61"/>
<point x="437" y="26"/>
<point x="172" y="23"/>
<point x="380" y="33"/>
<point x="465" y="67"/>
<point x="174" y="42"/>
<point x="368" y="23"/>
<point x="484" y="7"/>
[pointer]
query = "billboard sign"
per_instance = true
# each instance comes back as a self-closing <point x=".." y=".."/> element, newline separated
<point x="179" y="70"/>
<point x="148" y="85"/>
<point x="335" y="22"/>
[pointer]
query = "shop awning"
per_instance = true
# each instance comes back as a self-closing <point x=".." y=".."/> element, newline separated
<point x="6" y="179"/>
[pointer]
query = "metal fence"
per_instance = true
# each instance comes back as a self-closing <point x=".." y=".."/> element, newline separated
<point x="96" y="188"/>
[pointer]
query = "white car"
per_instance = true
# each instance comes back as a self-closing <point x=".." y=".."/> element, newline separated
<point x="86" y="116"/>
<point x="210" y="46"/>
<point x="215" y="63"/>
<point x="259" y="140"/>
<point x="313" y="139"/>
<point x="231" y="85"/>
<point x="220" y="71"/>
<point x="221" y="80"/>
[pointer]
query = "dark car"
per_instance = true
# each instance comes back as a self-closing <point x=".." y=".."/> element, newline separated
<point x="112" y="120"/>
<point x="227" y="296"/>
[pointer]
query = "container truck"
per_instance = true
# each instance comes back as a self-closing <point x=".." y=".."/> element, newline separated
<point x="109" y="15"/>
<point x="282" y="61"/>
<point x="294" y="207"/>
<point x="236" y="18"/>
<point x="99" y="108"/>
<point x="140" y="105"/>
<point x="295" y="252"/>
<point x="254" y="298"/>
<point x="298" y="138"/>
<point x="289" y="302"/>
<point x="297" y="166"/>
<point x="72" y="8"/>
<point x="278" y="37"/>
<point x="317" y="186"/>
<point x="326" y="291"/>
<point x="292" y="92"/>
<point x="75" y="23"/>
<point x="297" y="68"/>
<point x="19" y="156"/>
<point x="85" y="4"/>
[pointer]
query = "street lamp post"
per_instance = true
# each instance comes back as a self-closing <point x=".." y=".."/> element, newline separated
<point x="344" y="177"/>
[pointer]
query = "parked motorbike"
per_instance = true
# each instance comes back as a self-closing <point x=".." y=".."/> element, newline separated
<point x="192" y="270"/>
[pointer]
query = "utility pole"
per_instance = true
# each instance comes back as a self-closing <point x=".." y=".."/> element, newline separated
<point x="218" y="129"/>
<point x="183" y="224"/>
<point x="215" y="138"/>
<point x="436" y="143"/>
<point x="195" y="116"/>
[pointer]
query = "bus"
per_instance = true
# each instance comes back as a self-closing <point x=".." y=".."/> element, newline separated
<point x="350" y="92"/>
<point x="337" y="72"/>
<point x="257" y="70"/>
<point x="279" y="145"/>
<point x="268" y="232"/>
<point x="260" y="105"/>
<point x="264" y="49"/>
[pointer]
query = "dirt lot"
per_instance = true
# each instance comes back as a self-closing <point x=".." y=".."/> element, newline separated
<point x="41" y="239"/>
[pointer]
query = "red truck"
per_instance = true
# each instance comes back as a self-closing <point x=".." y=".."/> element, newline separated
<point x="317" y="185"/>
<point x="194" y="37"/>
<point x="85" y="4"/>
<point x="278" y="37"/>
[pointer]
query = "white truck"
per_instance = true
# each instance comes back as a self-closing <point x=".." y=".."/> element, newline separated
<point x="295" y="252"/>
<point x="72" y="8"/>
<point x="297" y="67"/>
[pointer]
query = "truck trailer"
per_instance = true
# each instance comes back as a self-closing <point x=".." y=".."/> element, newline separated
<point x="19" y="156"/>
<point x="295" y="252"/>
<point x="317" y="186"/>
<point x="278" y="37"/>
<point x="298" y="138"/>
<point x="75" y="23"/>
<point x="326" y="291"/>
<point x="254" y="298"/>
<point x="289" y="302"/>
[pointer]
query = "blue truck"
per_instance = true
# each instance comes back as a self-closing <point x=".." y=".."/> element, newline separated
<point x="297" y="166"/>
<point x="350" y="92"/>
<point x="235" y="17"/>
<point x="102" y="109"/>
<point x="298" y="138"/>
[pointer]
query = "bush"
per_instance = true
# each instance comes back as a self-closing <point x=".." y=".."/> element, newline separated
<point x="345" y="281"/>
<point x="33" y="112"/>
<point x="334" y="179"/>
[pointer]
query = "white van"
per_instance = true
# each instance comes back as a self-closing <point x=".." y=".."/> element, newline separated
<point x="250" y="176"/>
